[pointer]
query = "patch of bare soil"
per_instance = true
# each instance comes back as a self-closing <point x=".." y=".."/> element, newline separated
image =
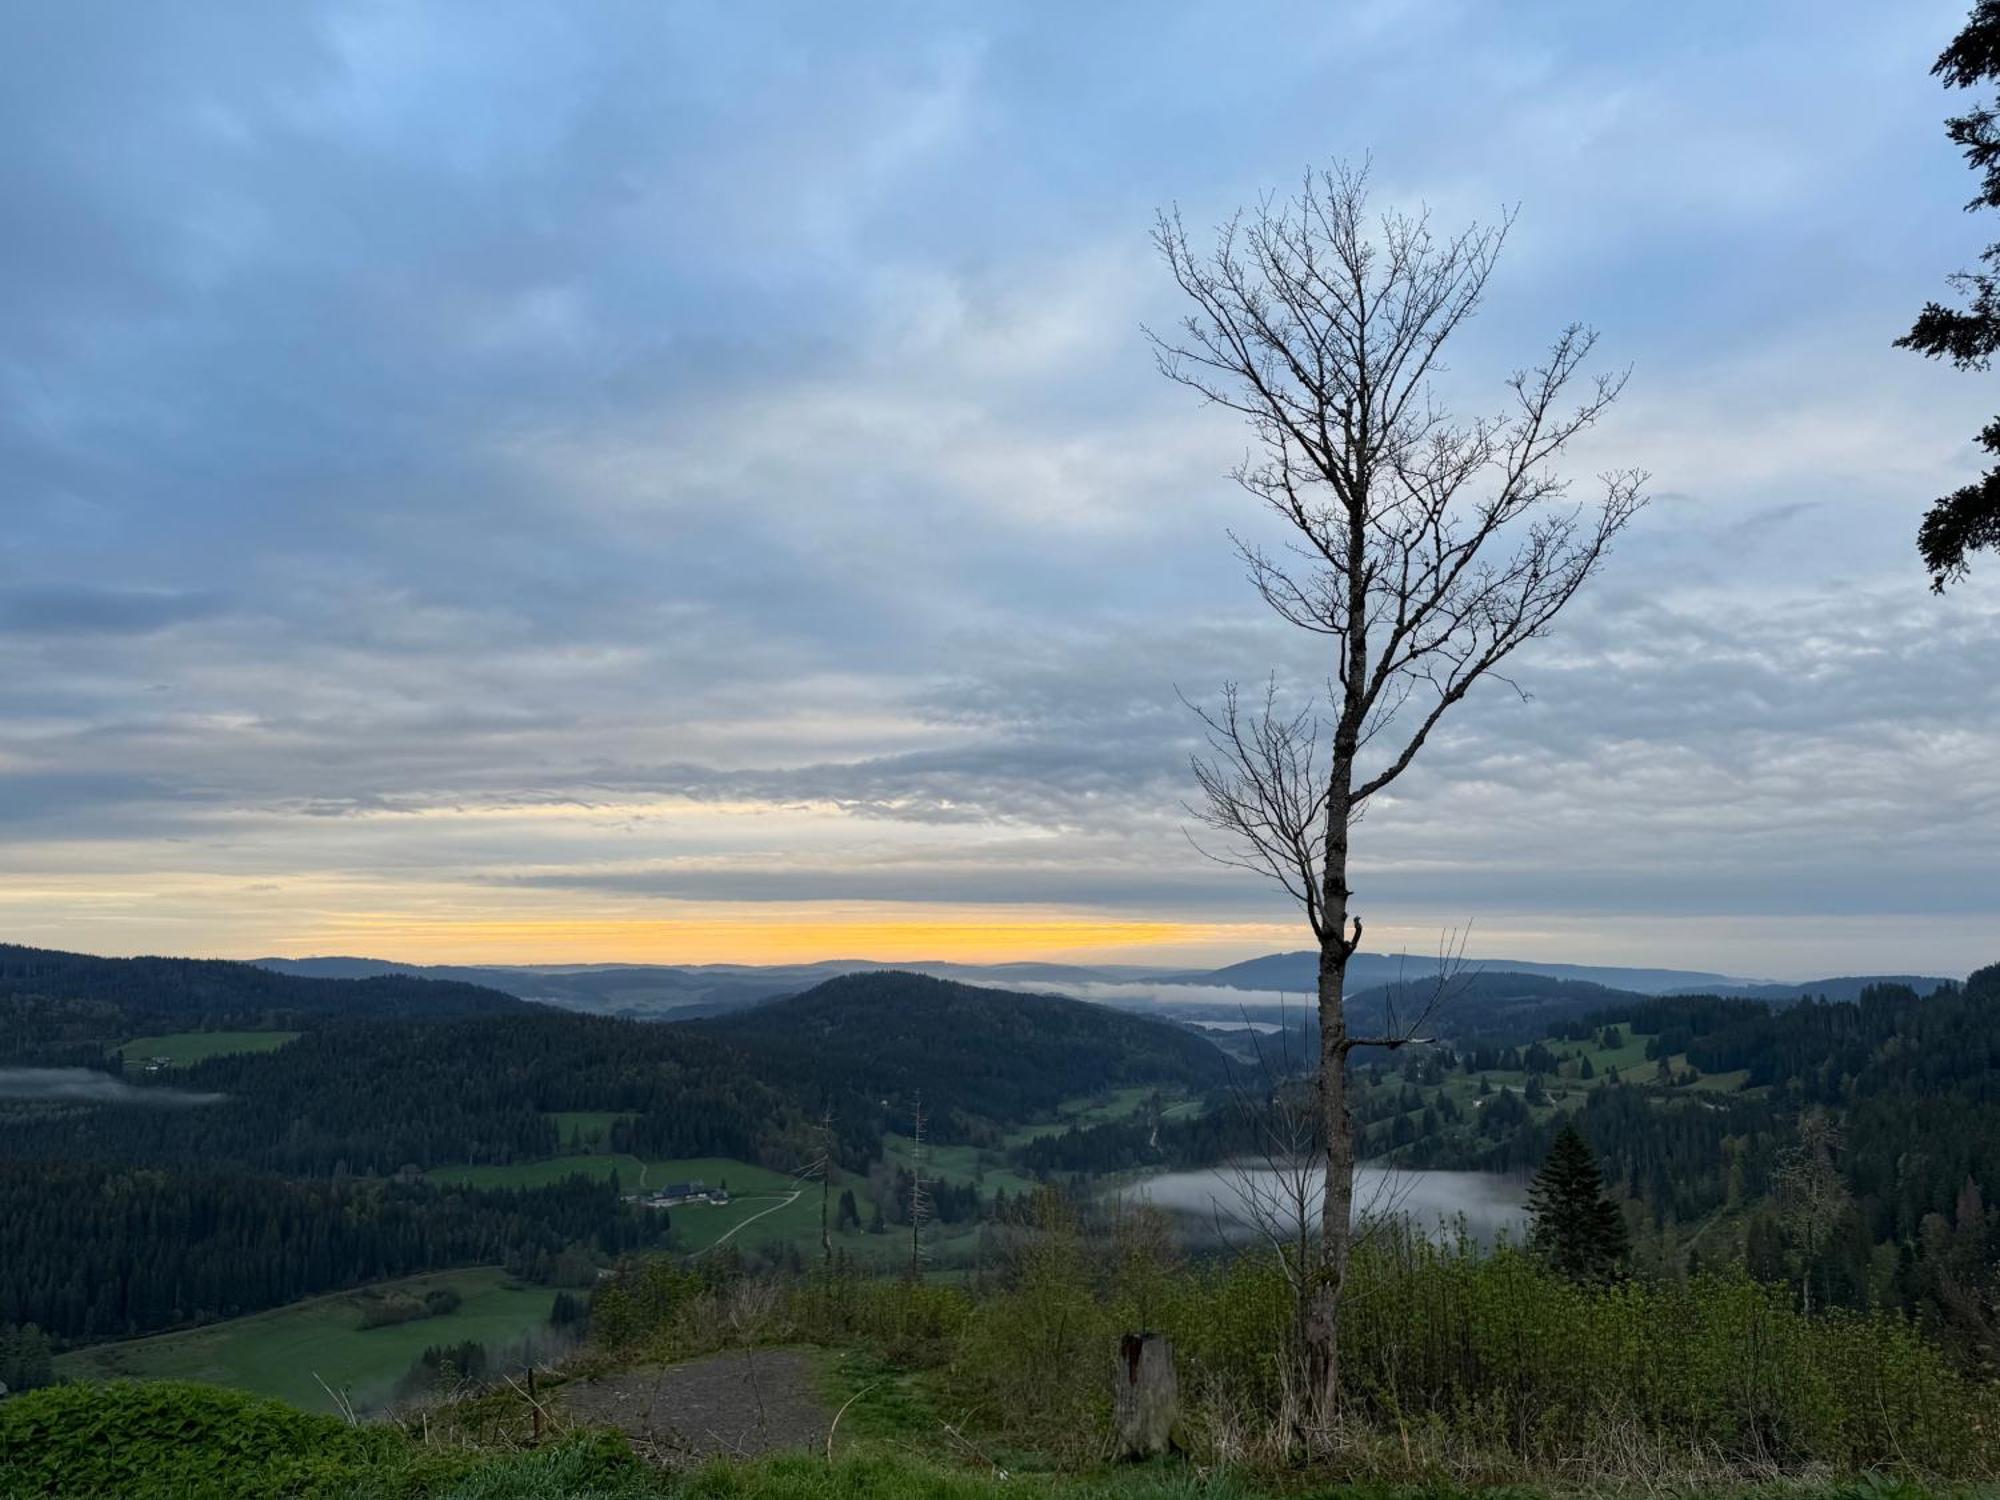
<point x="733" y="1405"/>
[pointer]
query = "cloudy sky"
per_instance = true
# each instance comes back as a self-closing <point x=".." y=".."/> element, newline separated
<point x="687" y="482"/>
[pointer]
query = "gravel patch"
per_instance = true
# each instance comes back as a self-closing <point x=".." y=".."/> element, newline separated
<point x="734" y="1405"/>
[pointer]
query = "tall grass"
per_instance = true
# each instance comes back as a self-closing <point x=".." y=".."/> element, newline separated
<point x="171" y="1441"/>
<point x="1486" y="1362"/>
<point x="1457" y="1363"/>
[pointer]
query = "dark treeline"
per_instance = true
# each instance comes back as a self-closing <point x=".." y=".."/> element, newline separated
<point x="93" y="1252"/>
<point x="1857" y="1160"/>
<point x="379" y="1096"/>
<point x="1222" y="1129"/>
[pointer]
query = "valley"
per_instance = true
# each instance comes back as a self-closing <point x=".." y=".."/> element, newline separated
<point x="518" y="1149"/>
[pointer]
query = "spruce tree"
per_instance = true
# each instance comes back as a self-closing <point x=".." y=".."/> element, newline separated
<point x="1578" y="1230"/>
<point x="1968" y="519"/>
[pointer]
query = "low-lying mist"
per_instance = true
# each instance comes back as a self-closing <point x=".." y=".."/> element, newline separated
<point x="1141" y="991"/>
<point x="1236" y="1199"/>
<point x="86" y="1086"/>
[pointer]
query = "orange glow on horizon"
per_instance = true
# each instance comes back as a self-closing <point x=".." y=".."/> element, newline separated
<point x="764" y="940"/>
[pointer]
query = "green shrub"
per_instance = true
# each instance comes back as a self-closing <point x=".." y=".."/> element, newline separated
<point x="386" y="1309"/>
<point x="161" y="1438"/>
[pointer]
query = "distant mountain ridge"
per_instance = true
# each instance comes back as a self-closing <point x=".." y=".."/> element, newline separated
<point x="196" y="986"/>
<point x="1298" y="973"/>
<point x="687" y="991"/>
<point x="1840" y="987"/>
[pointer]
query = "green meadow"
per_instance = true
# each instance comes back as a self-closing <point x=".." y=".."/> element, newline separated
<point x="289" y="1351"/>
<point x="179" y="1048"/>
<point x="634" y="1174"/>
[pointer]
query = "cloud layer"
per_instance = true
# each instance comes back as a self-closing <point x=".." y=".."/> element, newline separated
<point x="549" y="485"/>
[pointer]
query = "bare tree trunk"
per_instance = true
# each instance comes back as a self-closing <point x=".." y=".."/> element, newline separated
<point x="1337" y="1201"/>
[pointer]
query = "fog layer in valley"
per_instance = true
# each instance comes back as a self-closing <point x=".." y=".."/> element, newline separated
<point x="1237" y="1198"/>
<point x="86" y="1086"/>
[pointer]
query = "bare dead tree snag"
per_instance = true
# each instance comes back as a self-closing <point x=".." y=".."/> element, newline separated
<point x="1145" y="1395"/>
<point x="1425" y="549"/>
<point x="821" y="1167"/>
<point x="920" y="1194"/>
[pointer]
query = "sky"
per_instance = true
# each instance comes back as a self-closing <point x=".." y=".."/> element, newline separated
<point x="688" y="483"/>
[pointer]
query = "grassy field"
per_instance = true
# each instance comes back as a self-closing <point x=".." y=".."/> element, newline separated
<point x="744" y="1220"/>
<point x="633" y="1174"/>
<point x="179" y="1048"/>
<point x="279" y="1353"/>
<point x="760" y="1218"/>
<point x="987" y="1169"/>
<point x="1118" y="1104"/>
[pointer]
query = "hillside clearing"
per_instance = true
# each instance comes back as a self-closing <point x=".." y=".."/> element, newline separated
<point x="288" y="1351"/>
<point x="178" y="1049"/>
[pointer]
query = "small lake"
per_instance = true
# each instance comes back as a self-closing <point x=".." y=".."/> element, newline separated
<point x="1232" y="1198"/>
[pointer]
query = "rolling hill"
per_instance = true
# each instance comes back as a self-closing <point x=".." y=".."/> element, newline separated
<point x="679" y="992"/>
<point x="974" y="1055"/>
<point x="69" y="1009"/>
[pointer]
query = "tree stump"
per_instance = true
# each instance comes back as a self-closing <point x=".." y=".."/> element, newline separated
<point x="1145" y="1396"/>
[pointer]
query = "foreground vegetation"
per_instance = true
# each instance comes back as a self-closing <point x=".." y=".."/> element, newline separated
<point x="169" y="1441"/>
<point x="1457" y="1365"/>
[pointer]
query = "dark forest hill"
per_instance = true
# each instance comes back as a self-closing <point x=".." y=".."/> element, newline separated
<point x="68" y="1008"/>
<point x="192" y="987"/>
<point x="973" y="1054"/>
<point x="1699" y="1107"/>
<point x="1507" y="1009"/>
<point x="1481" y="1006"/>
<point x="376" y="1096"/>
<point x="636" y="991"/>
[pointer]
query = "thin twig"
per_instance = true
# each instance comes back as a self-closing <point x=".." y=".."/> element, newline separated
<point x="835" y="1426"/>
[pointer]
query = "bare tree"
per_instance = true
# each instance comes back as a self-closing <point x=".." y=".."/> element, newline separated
<point x="1811" y="1194"/>
<point x="921" y="1206"/>
<point x="821" y="1167"/>
<point x="1424" y="549"/>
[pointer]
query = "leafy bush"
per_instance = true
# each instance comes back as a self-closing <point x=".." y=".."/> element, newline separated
<point x="164" y="1438"/>
<point x="386" y="1309"/>
<point x="161" y="1439"/>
